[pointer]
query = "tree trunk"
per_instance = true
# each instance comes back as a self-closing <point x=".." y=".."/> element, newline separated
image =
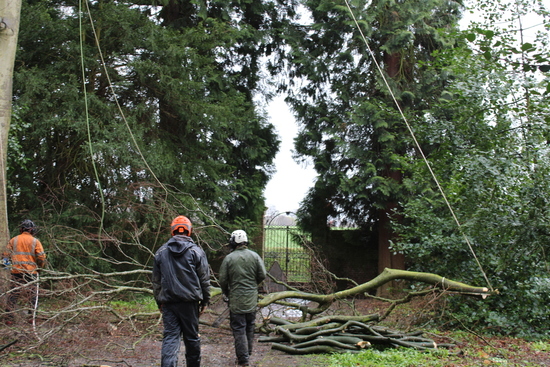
<point x="387" y="258"/>
<point x="10" y="11"/>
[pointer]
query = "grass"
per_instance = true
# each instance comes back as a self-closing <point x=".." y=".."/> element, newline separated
<point x="282" y="238"/>
<point x="123" y="306"/>
<point x="142" y="304"/>
<point x="399" y="357"/>
<point x="503" y="352"/>
<point x="541" y="346"/>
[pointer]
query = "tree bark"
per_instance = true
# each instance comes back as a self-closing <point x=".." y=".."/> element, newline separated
<point x="10" y="11"/>
<point x="386" y="258"/>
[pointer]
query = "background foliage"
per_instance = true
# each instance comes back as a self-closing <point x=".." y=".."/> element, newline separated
<point x="151" y="110"/>
<point x="490" y="152"/>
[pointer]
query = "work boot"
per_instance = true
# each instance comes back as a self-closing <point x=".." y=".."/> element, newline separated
<point x="237" y="363"/>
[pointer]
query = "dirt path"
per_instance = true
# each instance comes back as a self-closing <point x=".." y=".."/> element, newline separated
<point x="98" y="341"/>
<point x="217" y="351"/>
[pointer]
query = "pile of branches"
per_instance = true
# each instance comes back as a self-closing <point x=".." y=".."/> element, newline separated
<point x="342" y="334"/>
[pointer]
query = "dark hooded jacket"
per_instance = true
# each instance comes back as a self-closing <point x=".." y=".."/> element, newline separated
<point x="181" y="272"/>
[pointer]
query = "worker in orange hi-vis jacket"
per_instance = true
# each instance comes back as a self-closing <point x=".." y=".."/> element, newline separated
<point x="26" y="257"/>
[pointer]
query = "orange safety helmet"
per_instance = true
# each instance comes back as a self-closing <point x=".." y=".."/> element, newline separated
<point x="180" y="225"/>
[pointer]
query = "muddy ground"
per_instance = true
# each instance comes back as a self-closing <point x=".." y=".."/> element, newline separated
<point x="99" y="339"/>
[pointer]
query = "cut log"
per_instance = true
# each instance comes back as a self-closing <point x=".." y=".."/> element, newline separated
<point x="309" y="350"/>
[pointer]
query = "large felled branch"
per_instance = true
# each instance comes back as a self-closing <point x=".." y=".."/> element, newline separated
<point x="342" y="334"/>
<point x="386" y="276"/>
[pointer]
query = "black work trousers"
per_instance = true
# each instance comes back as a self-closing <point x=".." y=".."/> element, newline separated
<point x="243" y="333"/>
<point x="20" y="289"/>
<point x="181" y="319"/>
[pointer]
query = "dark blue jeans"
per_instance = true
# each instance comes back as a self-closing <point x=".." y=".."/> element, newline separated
<point x="243" y="333"/>
<point x="181" y="319"/>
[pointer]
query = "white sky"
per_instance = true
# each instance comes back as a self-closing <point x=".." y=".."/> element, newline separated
<point x="290" y="183"/>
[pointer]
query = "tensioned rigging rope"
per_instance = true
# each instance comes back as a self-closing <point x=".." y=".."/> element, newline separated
<point x="166" y="190"/>
<point x="88" y="120"/>
<point x="418" y="146"/>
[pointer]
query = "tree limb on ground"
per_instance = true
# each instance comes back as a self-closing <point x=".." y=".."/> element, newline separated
<point x="388" y="275"/>
<point x="343" y="334"/>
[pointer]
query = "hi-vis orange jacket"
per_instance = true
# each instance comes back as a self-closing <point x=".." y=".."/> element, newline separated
<point x="26" y="254"/>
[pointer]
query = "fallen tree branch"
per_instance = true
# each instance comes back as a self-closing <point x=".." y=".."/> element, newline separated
<point x="388" y="275"/>
<point x="320" y="349"/>
<point x="340" y="334"/>
<point x="328" y="319"/>
<point x="8" y="345"/>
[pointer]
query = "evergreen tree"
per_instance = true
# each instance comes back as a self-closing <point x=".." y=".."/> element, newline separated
<point x="183" y="75"/>
<point x="351" y="127"/>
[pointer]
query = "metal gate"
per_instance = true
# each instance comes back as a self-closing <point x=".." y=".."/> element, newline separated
<point x="284" y="245"/>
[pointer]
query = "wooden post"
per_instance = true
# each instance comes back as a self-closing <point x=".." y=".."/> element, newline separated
<point x="10" y="12"/>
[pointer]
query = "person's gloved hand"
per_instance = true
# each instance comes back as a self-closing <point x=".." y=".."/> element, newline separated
<point x="225" y="298"/>
<point x="202" y="307"/>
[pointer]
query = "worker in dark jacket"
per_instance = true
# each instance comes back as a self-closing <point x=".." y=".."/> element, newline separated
<point x="181" y="286"/>
<point x="240" y="274"/>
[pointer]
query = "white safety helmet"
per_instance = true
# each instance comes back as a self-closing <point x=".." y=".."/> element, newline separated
<point x="238" y="237"/>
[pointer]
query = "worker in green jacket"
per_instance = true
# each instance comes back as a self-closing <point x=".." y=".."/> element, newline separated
<point x="240" y="274"/>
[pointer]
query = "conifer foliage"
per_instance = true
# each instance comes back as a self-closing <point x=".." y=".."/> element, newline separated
<point x="153" y="98"/>
<point x="352" y="128"/>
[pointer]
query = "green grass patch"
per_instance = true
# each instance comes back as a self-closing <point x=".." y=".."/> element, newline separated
<point x="281" y="238"/>
<point x="139" y="304"/>
<point x="399" y="357"/>
<point x="541" y="346"/>
<point x="123" y="305"/>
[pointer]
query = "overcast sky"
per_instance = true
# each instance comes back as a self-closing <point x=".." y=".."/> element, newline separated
<point x="291" y="182"/>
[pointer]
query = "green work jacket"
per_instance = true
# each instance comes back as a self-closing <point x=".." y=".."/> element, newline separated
<point x="240" y="274"/>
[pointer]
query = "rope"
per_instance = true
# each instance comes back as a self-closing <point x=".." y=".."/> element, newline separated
<point x="418" y="145"/>
<point x="103" y="64"/>
<point x="134" y="141"/>
<point x="36" y="306"/>
<point x="199" y="208"/>
<point x="88" y="121"/>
